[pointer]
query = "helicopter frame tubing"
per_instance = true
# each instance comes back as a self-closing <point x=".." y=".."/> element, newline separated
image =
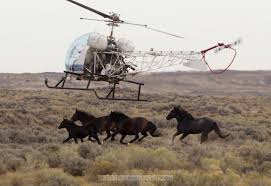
<point x="111" y="95"/>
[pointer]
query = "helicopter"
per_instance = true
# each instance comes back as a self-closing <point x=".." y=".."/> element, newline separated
<point x="94" y="57"/>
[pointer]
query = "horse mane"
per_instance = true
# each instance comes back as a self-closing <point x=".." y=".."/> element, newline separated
<point x="71" y="123"/>
<point x="120" y="114"/>
<point x="184" y="113"/>
<point x="85" y="113"/>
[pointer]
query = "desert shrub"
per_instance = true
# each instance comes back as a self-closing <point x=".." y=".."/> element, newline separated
<point x="4" y="137"/>
<point x="48" y="177"/>
<point x="161" y="122"/>
<point x="211" y="109"/>
<point x="256" y="134"/>
<point x="54" y="160"/>
<point x="50" y="148"/>
<point x="255" y="179"/>
<point x="75" y="166"/>
<point x="119" y="160"/>
<point x="265" y="168"/>
<point x="235" y="110"/>
<point x="233" y="162"/>
<point x="160" y="158"/>
<point x="196" y="154"/>
<point x="3" y="168"/>
<point x="89" y="151"/>
<point x="104" y="167"/>
<point x="11" y="160"/>
<point x="51" y="120"/>
<point x="13" y="164"/>
<point x="161" y="107"/>
<point x="199" y="178"/>
<point x="23" y="136"/>
<point x="54" y="177"/>
<point x="267" y="157"/>
<point x="14" y="179"/>
<point x="255" y="152"/>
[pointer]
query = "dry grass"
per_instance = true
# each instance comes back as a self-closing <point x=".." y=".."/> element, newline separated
<point x="31" y="152"/>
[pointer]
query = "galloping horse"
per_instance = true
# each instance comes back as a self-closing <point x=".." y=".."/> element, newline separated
<point x="131" y="126"/>
<point x="187" y="124"/>
<point x="84" y="117"/>
<point x="100" y="124"/>
<point x="80" y="132"/>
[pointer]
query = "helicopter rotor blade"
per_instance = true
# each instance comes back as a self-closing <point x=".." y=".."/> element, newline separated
<point x="91" y="9"/>
<point x="153" y="29"/>
<point x="163" y="32"/>
<point x="99" y="20"/>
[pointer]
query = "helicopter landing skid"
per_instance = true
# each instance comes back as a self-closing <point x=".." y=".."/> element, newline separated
<point x="110" y="96"/>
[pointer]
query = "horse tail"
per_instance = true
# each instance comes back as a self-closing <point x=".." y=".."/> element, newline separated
<point x="218" y="131"/>
<point x="153" y="130"/>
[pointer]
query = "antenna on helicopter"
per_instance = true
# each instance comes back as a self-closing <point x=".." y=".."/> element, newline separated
<point x="115" y="20"/>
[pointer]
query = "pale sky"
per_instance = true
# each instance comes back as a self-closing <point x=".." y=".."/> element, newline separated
<point x="36" y="34"/>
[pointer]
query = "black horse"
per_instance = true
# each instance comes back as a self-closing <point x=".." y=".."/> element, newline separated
<point x="100" y="124"/>
<point x="78" y="132"/>
<point x="131" y="126"/>
<point x="187" y="124"/>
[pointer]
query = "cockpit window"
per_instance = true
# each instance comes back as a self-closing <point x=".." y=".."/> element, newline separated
<point x="72" y="62"/>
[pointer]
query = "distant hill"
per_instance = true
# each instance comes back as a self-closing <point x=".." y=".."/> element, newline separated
<point x="184" y="83"/>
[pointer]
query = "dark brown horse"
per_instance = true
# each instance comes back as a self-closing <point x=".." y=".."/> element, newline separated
<point x="187" y="124"/>
<point x="100" y="124"/>
<point x="131" y="126"/>
<point x="84" y="117"/>
<point x="78" y="132"/>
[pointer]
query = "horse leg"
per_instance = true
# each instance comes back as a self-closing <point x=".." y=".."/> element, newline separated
<point x="66" y="140"/>
<point x="75" y="140"/>
<point x="183" y="136"/>
<point x="89" y="138"/>
<point x="114" y="135"/>
<point x="95" y="136"/>
<point x="122" y="138"/>
<point x="136" y="137"/>
<point x="108" y="135"/>
<point x="176" y="134"/>
<point x="144" y="136"/>
<point x="204" y="137"/>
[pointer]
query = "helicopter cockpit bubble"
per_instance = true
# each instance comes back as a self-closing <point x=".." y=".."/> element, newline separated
<point x="72" y="62"/>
